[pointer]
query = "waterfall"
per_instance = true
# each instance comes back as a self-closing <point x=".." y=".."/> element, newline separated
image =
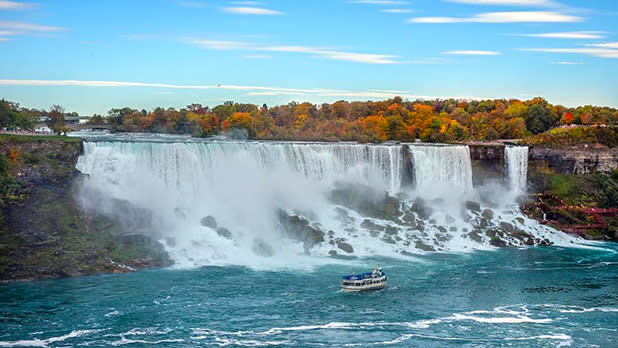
<point x="439" y="167"/>
<point x="516" y="163"/>
<point x="239" y="202"/>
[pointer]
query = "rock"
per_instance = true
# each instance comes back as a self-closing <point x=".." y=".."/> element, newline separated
<point x="406" y="253"/>
<point x="343" y="215"/>
<point x="475" y="236"/>
<point x="390" y="230"/>
<point x="497" y="242"/>
<point x="409" y="218"/>
<point x="507" y="227"/>
<point x="345" y="247"/>
<point x="453" y="229"/>
<point x="442" y="229"/>
<point x="332" y="253"/>
<point x="209" y="222"/>
<point x="261" y="248"/>
<point x="491" y="233"/>
<point x="389" y="240"/>
<point x="421" y="209"/>
<point x="370" y="225"/>
<point x="520" y="220"/>
<point x="484" y="223"/>
<point x="488" y="214"/>
<point x="473" y="206"/>
<point x="367" y="201"/>
<point x="300" y="229"/>
<point x="449" y="220"/>
<point x="422" y="246"/>
<point x="170" y="241"/>
<point x="224" y="232"/>
<point x="442" y="237"/>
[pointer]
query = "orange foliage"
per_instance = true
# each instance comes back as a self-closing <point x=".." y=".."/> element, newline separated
<point x="567" y="118"/>
<point x="12" y="153"/>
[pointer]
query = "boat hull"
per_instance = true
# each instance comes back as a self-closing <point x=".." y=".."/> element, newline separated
<point x="363" y="288"/>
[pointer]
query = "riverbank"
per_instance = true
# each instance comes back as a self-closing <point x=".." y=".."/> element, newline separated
<point x="44" y="232"/>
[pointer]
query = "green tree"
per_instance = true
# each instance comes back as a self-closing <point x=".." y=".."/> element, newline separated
<point x="538" y="119"/>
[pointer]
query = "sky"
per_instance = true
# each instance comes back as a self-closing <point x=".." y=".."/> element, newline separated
<point x="90" y="56"/>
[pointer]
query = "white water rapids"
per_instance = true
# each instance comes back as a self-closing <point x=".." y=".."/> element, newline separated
<point x="166" y="189"/>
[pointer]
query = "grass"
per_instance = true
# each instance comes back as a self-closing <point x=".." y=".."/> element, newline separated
<point x="14" y="138"/>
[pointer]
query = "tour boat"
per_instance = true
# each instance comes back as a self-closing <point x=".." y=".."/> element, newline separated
<point x="375" y="280"/>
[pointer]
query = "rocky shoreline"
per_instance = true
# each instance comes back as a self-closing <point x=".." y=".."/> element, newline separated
<point x="44" y="232"/>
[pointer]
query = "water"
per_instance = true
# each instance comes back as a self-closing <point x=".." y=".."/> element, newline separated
<point x="263" y="286"/>
<point x="548" y="297"/>
<point x="516" y="163"/>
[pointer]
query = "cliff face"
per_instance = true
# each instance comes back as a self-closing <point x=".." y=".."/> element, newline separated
<point x="44" y="233"/>
<point x="584" y="159"/>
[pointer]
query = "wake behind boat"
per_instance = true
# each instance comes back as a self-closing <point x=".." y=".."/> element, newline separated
<point x="368" y="281"/>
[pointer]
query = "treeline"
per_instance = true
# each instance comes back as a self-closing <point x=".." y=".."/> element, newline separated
<point x="15" y="117"/>
<point x="568" y="136"/>
<point x="393" y="119"/>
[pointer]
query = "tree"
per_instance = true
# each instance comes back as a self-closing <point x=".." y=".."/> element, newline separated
<point x="55" y="119"/>
<point x="567" y="118"/>
<point x="96" y="120"/>
<point x="538" y="119"/>
<point x="239" y="120"/>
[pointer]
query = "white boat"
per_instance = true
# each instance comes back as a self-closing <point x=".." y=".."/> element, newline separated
<point x="375" y="280"/>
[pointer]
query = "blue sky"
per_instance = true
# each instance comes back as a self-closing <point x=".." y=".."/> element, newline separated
<point x="90" y="56"/>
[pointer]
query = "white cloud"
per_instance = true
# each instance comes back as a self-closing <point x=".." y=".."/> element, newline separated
<point x="396" y="10"/>
<point x="473" y="53"/>
<point x="368" y="58"/>
<point x="503" y="17"/>
<point x="577" y="35"/>
<point x="2" y="39"/>
<point x="379" y="2"/>
<point x="567" y="63"/>
<point x="251" y="90"/>
<point x="28" y="27"/>
<point x="251" y="11"/>
<point x="594" y="52"/>
<point x="506" y="2"/>
<point x="258" y="56"/>
<point x="8" y="33"/>
<point x="13" y="5"/>
<point x="605" y="45"/>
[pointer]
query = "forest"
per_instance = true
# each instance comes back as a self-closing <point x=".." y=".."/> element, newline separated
<point x="394" y="119"/>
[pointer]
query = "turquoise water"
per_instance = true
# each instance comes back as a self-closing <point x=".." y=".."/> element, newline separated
<point x="536" y="297"/>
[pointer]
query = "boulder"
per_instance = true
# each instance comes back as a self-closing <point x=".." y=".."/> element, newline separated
<point x="473" y="206"/>
<point x="345" y="247"/>
<point x="209" y="222"/>
<point x="224" y="232"/>
<point x="488" y="214"/>
<point x="422" y="246"/>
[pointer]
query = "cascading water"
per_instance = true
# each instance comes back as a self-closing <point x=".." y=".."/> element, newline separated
<point x="516" y="163"/>
<point x="442" y="168"/>
<point x="261" y="202"/>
